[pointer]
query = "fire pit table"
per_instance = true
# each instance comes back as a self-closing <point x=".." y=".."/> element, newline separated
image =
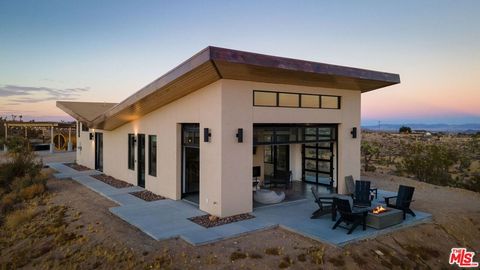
<point x="380" y="218"/>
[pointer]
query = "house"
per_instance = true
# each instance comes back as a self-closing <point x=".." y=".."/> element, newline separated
<point x="200" y="129"/>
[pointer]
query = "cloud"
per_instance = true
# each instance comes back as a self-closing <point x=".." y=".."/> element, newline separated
<point x="29" y="94"/>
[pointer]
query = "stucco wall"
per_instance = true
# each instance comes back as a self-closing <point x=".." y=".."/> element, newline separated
<point x="225" y="164"/>
<point x="203" y="107"/>
<point x="85" y="153"/>
<point x="240" y="94"/>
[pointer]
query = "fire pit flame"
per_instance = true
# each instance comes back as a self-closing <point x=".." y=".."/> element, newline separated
<point x="379" y="209"/>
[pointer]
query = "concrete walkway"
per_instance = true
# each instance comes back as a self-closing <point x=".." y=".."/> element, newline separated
<point x="167" y="218"/>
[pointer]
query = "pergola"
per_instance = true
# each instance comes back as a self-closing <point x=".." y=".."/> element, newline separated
<point x="51" y="125"/>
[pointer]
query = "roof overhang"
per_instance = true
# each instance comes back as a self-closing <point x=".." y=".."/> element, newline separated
<point x="212" y="64"/>
<point x="84" y="112"/>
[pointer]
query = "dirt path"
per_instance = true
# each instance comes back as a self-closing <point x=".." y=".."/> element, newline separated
<point x="97" y="239"/>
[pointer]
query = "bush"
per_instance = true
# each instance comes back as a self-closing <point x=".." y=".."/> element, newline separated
<point x="429" y="162"/>
<point x="8" y="201"/>
<point x="369" y="151"/>
<point x="32" y="191"/>
<point x="18" y="217"/>
<point x="20" y="183"/>
<point x="20" y="163"/>
<point x="404" y="129"/>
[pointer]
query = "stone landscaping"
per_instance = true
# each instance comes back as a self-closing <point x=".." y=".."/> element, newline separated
<point x="77" y="167"/>
<point x="209" y="221"/>
<point x="112" y="181"/>
<point x="147" y="196"/>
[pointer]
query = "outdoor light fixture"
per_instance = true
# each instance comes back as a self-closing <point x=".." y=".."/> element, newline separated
<point x="91" y="136"/>
<point x="206" y="135"/>
<point x="354" y="132"/>
<point x="240" y="135"/>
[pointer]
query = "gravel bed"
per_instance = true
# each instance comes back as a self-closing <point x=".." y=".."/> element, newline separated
<point x="147" y="196"/>
<point x="77" y="167"/>
<point x="114" y="182"/>
<point x="209" y="221"/>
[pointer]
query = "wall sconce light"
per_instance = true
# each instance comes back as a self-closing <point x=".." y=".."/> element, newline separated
<point x="240" y="135"/>
<point x="206" y="135"/>
<point x="91" y="136"/>
<point x="354" y="132"/>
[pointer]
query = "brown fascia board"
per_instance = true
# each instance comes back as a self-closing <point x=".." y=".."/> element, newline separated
<point x="182" y="69"/>
<point x="296" y="65"/>
<point x="364" y="80"/>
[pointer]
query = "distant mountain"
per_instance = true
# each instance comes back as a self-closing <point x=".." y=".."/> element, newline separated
<point x="465" y="128"/>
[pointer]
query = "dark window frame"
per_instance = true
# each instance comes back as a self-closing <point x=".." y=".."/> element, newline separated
<point x="131" y="151"/>
<point x="84" y="128"/>
<point x="152" y="159"/>
<point x="301" y="133"/>
<point x="277" y="103"/>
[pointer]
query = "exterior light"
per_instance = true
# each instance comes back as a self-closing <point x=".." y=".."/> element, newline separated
<point x="354" y="132"/>
<point x="206" y="135"/>
<point x="91" y="136"/>
<point x="240" y="135"/>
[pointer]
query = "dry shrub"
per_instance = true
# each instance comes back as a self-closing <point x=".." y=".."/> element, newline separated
<point x="272" y="251"/>
<point x="237" y="256"/>
<point x="32" y="191"/>
<point x="18" y="217"/>
<point x="8" y="201"/>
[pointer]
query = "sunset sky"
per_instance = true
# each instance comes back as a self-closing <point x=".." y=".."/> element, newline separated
<point x="107" y="50"/>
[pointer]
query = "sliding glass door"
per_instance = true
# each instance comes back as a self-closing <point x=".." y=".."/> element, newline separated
<point x="276" y="160"/>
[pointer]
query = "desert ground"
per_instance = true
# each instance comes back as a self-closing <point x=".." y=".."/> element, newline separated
<point x="73" y="229"/>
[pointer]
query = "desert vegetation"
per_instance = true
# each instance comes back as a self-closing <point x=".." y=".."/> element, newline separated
<point x="21" y="180"/>
<point x="440" y="159"/>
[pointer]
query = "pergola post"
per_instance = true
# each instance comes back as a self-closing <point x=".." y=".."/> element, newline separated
<point x="52" y="145"/>
<point x="69" y="145"/>
<point x="5" y="148"/>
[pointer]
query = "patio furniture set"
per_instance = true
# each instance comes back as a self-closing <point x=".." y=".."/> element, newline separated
<point x="355" y="208"/>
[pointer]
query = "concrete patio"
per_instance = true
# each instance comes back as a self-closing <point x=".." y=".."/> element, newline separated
<point x="167" y="218"/>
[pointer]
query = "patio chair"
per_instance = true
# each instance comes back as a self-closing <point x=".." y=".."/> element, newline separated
<point x="362" y="197"/>
<point x="403" y="199"/>
<point x="349" y="215"/>
<point x="350" y="187"/>
<point x="324" y="205"/>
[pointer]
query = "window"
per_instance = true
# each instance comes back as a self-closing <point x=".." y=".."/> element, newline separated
<point x="84" y="127"/>
<point x="78" y="129"/>
<point x="131" y="151"/>
<point x="264" y="98"/>
<point x="330" y="102"/>
<point x="288" y="100"/>
<point x="152" y="155"/>
<point x="266" y="134"/>
<point x="310" y="101"/>
<point x="294" y="100"/>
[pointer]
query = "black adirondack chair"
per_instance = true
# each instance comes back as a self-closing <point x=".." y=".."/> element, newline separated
<point x="350" y="187"/>
<point x="324" y="205"/>
<point x="361" y="197"/>
<point x="402" y="200"/>
<point x="355" y="216"/>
